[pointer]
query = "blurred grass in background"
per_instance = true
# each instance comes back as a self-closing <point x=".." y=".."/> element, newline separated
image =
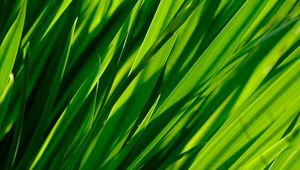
<point x="149" y="84"/>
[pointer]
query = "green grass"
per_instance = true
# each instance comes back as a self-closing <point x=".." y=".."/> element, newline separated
<point x="149" y="84"/>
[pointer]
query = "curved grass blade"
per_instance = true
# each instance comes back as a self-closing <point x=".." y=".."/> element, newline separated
<point x="10" y="46"/>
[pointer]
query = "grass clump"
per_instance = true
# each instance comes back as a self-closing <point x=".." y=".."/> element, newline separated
<point x="149" y="84"/>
